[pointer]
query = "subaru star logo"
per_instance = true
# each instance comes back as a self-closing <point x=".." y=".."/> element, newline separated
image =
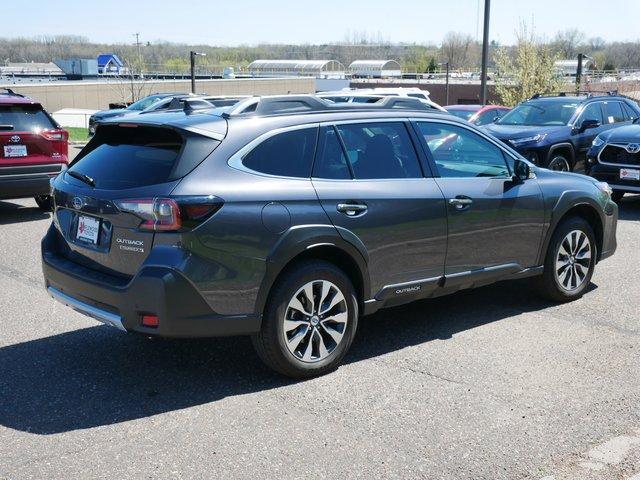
<point x="77" y="203"/>
<point x="633" y="148"/>
<point x="15" y="138"/>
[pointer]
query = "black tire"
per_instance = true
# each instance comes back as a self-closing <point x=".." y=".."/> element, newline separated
<point x="549" y="285"/>
<point x="559" y="162"/>
<point x="270" y="342"/>
<point x="45" y="202"/>
<point x="617" y="195"/>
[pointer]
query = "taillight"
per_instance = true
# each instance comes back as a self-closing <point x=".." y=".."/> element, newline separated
<point x="157" y="214"/>
<point x="55" y="135"/>
<point x="166" y="214"/>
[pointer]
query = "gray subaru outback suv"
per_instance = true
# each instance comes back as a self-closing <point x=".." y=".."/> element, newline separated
<point x="287" y="218"/>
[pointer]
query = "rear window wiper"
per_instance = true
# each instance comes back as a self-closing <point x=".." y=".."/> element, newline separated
<point x="82" y="177"/>
<point x="6" y="127"/>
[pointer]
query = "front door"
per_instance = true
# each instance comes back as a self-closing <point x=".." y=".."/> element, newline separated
<point x="370" y="183"/>
<point x="493" y="221"/>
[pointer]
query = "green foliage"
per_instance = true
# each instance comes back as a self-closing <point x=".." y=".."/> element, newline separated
<point x="528" y="70"/>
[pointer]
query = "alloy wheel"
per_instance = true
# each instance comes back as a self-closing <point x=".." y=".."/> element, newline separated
<point x="573" y="260"/>
<point x="559" y="164"/>
<point x="315" y="321"/>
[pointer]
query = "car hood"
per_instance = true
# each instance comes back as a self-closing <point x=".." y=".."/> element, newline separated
<point x="114" y="112"/>
<point x="626" y="134"/>
<point x="510" y="132"/>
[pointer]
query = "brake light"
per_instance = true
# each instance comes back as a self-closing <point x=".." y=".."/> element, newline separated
<point x="166" y="214"/>
<point x="157" y="214"/>
<point x="55" y="135"/>
<point x="148" y="320"/>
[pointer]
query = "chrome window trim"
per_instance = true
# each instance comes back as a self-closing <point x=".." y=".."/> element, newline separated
<point x="619" y="165"/>
<point x="235" y="161"/>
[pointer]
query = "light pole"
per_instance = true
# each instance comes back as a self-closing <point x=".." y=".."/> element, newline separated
<point x="192" y="58"/>
<point x="485" y="52"/>
<point x="446" y="85"/>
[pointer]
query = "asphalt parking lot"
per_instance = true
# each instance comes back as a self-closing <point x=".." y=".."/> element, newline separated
<point x="485" y="384"/>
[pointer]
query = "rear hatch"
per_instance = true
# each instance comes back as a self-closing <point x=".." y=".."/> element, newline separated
<point x="110" y="203"/>
<point x="29" y="136"/>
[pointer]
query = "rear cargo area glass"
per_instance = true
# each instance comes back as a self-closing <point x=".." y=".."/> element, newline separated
<point x="24" y="118"/>
<point x="121" y="157"/>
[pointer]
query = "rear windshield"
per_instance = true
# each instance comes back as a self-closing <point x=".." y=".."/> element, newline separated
<point x="127" y="157"/>
<point x="24" y="118"/>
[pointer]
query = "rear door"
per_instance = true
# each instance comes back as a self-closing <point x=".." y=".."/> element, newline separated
<point x="23" y="136"/>
<point x="370" y="183"/>
<point x="492" y="220"/>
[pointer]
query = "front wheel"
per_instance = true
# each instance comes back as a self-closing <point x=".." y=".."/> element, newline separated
<point x="570" y="260"/>
<point x="559" y="163"/>
<point x="44" y="202"/>
<point x="617" y="195"/>
<point x="309" y="321"/>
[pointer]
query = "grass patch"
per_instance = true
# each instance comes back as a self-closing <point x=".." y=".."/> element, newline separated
<point x="77" y="134"/>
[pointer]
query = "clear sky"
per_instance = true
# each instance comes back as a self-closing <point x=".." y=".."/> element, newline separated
<point x="234" y="22"/>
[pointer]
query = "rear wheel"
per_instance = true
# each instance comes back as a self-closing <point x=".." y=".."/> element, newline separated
<point x="44" y="202"/>
<point x="571" y="258"/>
<point x="617" y="195"/>
<point x="559" y="163"/>
<point x="309" y="321"/>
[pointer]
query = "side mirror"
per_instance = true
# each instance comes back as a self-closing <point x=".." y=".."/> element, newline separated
<point x="521" y="171"/>
<point x="589" y="123"/>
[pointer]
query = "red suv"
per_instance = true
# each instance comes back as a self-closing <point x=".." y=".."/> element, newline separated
<point x="478" y="114"/>
<point x="33" y="148"/>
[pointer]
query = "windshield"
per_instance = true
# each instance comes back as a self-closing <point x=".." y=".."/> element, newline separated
<point x="540" y="113"/>
<point x="463" y="114"/>
<point x="145" y="102"/>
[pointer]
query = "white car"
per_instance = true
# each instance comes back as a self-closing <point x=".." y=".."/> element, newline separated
<point x="359" y="95"/>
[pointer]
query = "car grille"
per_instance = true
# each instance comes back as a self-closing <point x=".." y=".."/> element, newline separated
<point x="618" y="154"/>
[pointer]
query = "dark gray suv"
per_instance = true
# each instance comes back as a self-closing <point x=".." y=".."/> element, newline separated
<point x="287" y="218"/>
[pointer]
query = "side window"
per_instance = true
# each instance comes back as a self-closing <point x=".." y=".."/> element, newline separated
<point x="631" y="113"/>
<point x="613" y="112"/>
<point x="593" y="111"/>
<point x="487" y="117"/>
<point x="380" y="150"/>
<point x="458" y="152"/>
<point x="330" y="160"/>
<point x="287" y="154"/>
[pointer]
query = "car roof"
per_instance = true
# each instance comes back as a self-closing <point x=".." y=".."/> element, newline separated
<point x="10" y="98"/>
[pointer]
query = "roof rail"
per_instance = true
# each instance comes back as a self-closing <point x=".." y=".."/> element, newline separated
<point x="11" y="92"/>
<point x="288" y="104"/>
<point x="577" y="93"/>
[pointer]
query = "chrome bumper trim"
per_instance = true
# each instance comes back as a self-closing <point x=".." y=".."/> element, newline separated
<point x="103" y="316"/>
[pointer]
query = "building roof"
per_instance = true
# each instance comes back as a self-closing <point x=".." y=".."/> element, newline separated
<point x="296" y="66"/>
<point x="105" y="58"/>
<point x="374" y="65"/>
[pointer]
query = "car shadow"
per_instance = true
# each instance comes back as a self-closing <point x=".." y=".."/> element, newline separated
<point x="629" y="208"/>
<point x="99" y="376"/>
<point x="16" y="213"/>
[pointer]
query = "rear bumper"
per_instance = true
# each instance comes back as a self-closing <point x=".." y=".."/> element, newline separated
<point x="157" y="290"/>
<point x="27" y="181"/>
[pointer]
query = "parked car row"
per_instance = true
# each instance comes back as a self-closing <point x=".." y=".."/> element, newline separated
<point x="286" y="218"/>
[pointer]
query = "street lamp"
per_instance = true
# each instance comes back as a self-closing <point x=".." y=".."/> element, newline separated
<point x="485" y="52"/>
<point x="192" y="58"/>
<point x="446" y="85"/>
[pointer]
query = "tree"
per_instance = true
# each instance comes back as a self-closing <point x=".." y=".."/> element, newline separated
<point x="433" y="66"/>
<point x="566" y="43"/>
<point x="455" y="49"/>
<point x="528" y="71"/>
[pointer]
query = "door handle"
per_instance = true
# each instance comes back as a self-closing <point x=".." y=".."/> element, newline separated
<point x="460" y="202"/>
<point x="351" y="209"/>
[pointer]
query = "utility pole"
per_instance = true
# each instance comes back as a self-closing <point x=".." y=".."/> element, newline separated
<point x="579" y="72"/>
<point x="446" y="85"/>
<point x="192" y="61"/>
<point x="137" y="35"/>
<point x="485" y="53"/>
